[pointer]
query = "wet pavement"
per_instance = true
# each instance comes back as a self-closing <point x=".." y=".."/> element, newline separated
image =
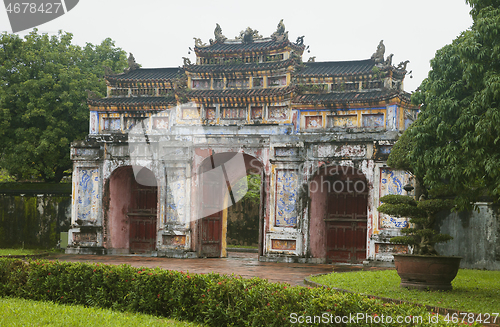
<point x="245" y="265"/>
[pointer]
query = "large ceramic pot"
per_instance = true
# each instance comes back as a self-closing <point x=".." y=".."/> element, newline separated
<point x="426" y="271"/>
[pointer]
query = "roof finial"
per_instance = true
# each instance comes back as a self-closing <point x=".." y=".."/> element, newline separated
<point x="248" y="35"/>
<point x="132" y="65"/>
<point x="219" y="37"/>
<point x="280" y="34"/>
<point x="378" y="55"/>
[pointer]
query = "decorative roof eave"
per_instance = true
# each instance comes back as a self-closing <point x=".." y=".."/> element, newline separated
<point x="358" y="98"/>
<point x="147" y="74"/>
<point x="241" y="48"/>
<point x="240" y="68"/>
<point x="240" y="100"/>
<point x="241" y="95"/>
<point x="131" y="103"/>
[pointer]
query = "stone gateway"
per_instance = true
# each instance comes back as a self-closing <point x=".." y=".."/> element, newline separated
<point x="167" y="147"/>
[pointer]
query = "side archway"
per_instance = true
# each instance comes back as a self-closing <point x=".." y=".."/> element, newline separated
<point x="338" y="223"/>
<point x="131" y="204"/>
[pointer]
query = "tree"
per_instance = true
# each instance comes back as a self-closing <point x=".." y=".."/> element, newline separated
<point x="454" y="146"/>
<point x="421" y="235"/>
<point x="43" y="83"/>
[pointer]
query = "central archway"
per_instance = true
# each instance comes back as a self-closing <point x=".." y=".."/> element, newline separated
<point x="219" y="175"/>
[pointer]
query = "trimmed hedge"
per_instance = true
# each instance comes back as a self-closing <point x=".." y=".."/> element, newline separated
<point x="212" y="299"/>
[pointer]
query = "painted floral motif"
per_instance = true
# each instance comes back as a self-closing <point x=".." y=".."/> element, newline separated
<point x="392" y="182"/>
<point x="286" y="198"/>
<point x="280" y="112"/>
<point x="88" y="194"/>
<point x="314" y="122"/>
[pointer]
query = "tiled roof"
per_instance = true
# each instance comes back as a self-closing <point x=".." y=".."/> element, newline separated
<point x="238" y="47"/>
<point x="329" y="68"/>
<point x="147" y="74"/>
<point x="350" y="97"/>
<point x="239" y="67"/>
<point x="240" y="92"/>
<point x="132" y="101"/>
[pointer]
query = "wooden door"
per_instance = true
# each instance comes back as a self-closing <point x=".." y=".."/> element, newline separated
<point x="142" y="218"/>
<point x="346" y="227"/>
<point x="211" y="222"/>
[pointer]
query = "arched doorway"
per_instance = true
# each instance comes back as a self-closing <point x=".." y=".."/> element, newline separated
<point x="132" y="210"/>
<point x="338" y="224"/>
<point x="220" y="190"/>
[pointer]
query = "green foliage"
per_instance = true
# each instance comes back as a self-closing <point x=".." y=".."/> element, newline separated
<point x="212" y="299"/>
<point x="43" y="83"/>
<point x="455" y="140"/>
<point x="421" y="235"/>
<point x="250" y="191"/>
<point x="473" y="290"/>
<point x="399" y="156"/>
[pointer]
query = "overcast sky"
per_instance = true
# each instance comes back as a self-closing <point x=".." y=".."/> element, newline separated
<point x="160" y="32"/>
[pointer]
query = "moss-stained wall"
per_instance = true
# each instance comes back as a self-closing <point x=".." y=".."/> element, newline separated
<point x="476" y="237"/>
<point x="36" y="216"/>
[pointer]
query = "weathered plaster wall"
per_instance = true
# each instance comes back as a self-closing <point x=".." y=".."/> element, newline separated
<point x="476" y="237"/>
<point x="34" y="220"/>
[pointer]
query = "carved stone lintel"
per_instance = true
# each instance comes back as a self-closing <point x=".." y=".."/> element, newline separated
<point x="378" y="55"/>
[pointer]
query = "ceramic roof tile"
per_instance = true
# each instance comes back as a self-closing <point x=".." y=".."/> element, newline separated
<point x="148" y="74"/>
<point x="240" y="92"/>
<point x="132" y="101"/>
<point x="256" y="46"/>
<point x="329" y="68"/>
<point x="239" y="67"/>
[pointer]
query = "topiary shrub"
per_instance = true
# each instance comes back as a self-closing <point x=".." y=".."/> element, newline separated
<point x="421" y="235"/>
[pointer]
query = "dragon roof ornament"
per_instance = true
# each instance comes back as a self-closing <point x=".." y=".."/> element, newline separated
<point x="280" y="34"/>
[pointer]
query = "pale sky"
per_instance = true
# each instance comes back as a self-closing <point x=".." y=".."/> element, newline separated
<point x="160" y="32"/>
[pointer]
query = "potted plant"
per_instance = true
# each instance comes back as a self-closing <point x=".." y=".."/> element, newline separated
<point x="423" y="268"/>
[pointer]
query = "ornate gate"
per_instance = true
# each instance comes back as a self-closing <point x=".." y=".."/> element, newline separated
<point x="142" y="218"/>
<point x="346" y="227"/>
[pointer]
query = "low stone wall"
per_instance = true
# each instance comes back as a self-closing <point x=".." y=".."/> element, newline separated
<point x="34" y="214"/>
<point x="476" y="237"/>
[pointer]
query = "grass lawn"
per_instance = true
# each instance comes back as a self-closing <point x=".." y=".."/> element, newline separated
<point x="475" y="291"/>
<point x="20" y="251"/>
<point x="19" y="312"/>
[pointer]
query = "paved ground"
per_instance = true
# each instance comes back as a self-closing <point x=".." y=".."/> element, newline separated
<point x="243" y="264"/>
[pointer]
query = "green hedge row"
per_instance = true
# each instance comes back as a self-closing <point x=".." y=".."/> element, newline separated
<point x="212" y="299"/>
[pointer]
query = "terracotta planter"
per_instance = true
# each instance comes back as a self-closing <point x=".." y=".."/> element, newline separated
<point x="426" y="271"/>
